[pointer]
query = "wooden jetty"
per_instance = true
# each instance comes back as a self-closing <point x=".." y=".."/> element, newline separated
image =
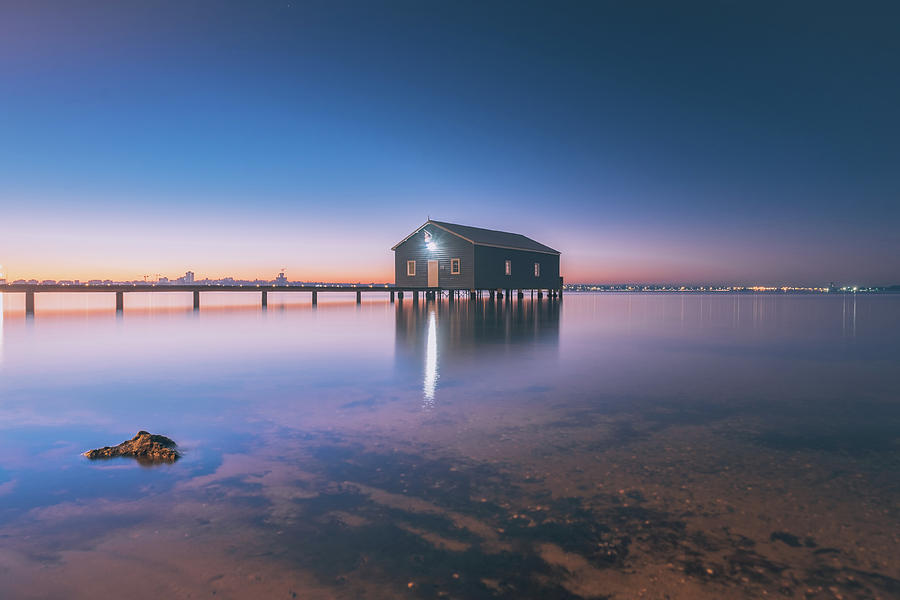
<point x="395" y="292"/>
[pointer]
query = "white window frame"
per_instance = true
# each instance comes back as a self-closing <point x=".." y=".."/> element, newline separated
<point x="454" y="262"/>
<point x="410" y="268"/>
<point x="507" y="267"/>
<point x="537" y="269"/>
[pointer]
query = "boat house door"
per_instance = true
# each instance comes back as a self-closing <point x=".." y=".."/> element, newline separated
<point x="432" y="273"/>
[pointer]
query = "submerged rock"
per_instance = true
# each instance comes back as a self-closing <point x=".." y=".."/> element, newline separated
<point x="145" y="447"/>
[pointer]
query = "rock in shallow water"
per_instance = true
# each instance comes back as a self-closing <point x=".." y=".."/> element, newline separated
<point x="145" y="447"/>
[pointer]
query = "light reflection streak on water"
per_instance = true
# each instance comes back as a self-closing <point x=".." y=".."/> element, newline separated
<point x="431" y="364"/>
<point x="848" y="321"/>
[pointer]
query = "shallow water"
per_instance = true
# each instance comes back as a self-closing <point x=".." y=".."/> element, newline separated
<point x="612" y="445"/>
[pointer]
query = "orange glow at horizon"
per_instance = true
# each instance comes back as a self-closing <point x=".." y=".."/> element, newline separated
<point x="83" y="274"/>
<point x="70" y="244"/>
<point x="348" y="268"/>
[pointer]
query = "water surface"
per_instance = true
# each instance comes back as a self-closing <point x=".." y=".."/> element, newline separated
<point x="612" y="445"/>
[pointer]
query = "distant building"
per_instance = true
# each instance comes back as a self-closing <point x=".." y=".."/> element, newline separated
<point x="163" y="280"/>
<point x="189" y="277"/>
<point x="281" y="279"/>
<point x="459" y="257"/>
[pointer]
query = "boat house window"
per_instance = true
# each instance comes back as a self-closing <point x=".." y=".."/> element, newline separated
<point x="454" y="266"/>
<point x="508" y="267"/>
<point x="537" y="269"/>
<point x="411" y="268"/>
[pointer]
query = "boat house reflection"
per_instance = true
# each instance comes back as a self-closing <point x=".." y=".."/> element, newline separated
<point x="440" y="338"/>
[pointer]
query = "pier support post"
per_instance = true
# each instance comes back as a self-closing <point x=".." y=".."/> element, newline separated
<point x="400" y="297"/>
<point x="120" y="301"/>
<point x="415" y="296"/>
<point x="392" y="296"/>
<point x="196" y="299"/>
<point x="265" y="298"/>
<point x="560" y="293"/>
<point x="358" y="296"/>
<point x="540" y="294"/>
<point x="491" y="297"/>
<point x="315" y="297"/>
<point x="520" y="295"/>
<point x="29" y="303"/>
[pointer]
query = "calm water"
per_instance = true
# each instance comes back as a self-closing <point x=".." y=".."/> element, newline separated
<point x="612" y="446"/>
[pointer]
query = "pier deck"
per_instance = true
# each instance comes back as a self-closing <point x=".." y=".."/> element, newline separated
<point x="121" y="289"/>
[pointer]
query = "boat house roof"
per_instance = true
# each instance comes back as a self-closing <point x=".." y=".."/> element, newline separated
<point x="487" y="237"/>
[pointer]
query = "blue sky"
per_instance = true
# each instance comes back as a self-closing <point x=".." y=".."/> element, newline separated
<point x="649" y="141"/>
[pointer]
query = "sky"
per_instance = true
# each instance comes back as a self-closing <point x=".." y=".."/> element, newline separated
<point x="721" y="142"/>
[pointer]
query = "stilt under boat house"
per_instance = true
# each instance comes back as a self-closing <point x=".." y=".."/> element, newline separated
<point x="447" y="256"/>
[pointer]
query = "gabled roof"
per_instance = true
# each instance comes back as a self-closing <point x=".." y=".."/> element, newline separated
<point x="486" y="237"/>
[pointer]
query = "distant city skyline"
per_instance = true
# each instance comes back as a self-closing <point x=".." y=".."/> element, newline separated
<point x="281" y="278"/>
<point x="719" y="142"/>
